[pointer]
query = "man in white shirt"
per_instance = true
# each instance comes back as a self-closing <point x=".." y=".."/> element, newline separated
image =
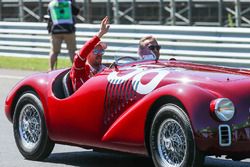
<point x="149" y="48"/>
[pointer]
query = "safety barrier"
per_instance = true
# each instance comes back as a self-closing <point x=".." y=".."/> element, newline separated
<point x="214" y="45"/>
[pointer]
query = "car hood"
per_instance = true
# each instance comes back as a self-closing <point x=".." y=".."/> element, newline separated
<point x="221" y="81"/>
<point x="198" y="72"/>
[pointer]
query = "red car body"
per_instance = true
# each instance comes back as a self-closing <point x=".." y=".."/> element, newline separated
<point x="114" y="109"/>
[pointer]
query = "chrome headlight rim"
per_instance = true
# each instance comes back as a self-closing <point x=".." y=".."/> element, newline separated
<point x="223" y="109"/>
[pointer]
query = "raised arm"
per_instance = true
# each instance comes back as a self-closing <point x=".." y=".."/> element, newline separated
<point x="104" y="27"/>
<point x="89" y="46"/>
<point x="78" y="72"/>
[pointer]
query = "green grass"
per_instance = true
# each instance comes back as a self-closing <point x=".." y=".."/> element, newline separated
<point x="35" y="64"/>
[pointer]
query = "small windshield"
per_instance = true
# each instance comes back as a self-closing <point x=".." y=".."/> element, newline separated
<point x="126" y="55"/>
<point x="126" y="59"/>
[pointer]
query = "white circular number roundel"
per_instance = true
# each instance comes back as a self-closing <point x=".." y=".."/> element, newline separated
<point x="113" y="76"/>
<point x="151" y="85"/>
<point x="137" y="75"/>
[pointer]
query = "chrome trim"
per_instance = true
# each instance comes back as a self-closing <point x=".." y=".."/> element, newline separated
<point x="225" y="115"/>
<point x="228" y="136"/>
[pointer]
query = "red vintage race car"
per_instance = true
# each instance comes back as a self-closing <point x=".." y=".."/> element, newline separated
<point x="175" y="112"/>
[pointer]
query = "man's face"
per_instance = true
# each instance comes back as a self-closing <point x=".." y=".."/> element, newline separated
<point x="153" y="46"/>
<point x="95" y="58"/>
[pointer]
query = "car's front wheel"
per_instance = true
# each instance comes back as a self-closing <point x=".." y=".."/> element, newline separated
<point x="29" y="127"/>
<point x="171" y="139"/>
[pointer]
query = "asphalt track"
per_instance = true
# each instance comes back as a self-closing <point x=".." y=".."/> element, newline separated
<point x="67" y="155"/>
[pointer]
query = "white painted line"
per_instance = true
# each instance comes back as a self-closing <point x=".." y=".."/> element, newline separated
<point x="11" y="77"/>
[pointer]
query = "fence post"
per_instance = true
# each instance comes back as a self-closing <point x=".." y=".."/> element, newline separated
<point x="173" y="10"/>
<point x="116" y="12"/>
<point x="134" y="11"/>
<point x="161" y="11"/>
<point x="237" y="13"/>
<point x="40" y="10"/>
<point x="190" y="5"/>
<point x="220" y="12"/>
<point x="108" y="8"/>
<point x="87" y="10"/>
<point x="21" y="15"/>
<point x="1" y="10"/>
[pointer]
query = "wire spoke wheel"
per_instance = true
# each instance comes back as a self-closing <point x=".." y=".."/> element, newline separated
<point x="171" y="143"/>
<point x="171" y="139"/>
<point x="30" y="127"/>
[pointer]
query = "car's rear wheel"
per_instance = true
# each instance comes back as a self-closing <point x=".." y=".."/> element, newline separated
<point x="29" y="127"/>
<point x="172" y="141"/>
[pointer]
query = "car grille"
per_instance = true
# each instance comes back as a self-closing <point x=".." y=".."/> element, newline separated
<point x="119" y="95"/>
<point x="225" y="138"/>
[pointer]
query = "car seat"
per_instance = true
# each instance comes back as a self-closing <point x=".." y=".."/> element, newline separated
<point x="67" y="85"/>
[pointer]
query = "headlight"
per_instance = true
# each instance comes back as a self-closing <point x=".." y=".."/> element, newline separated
<point x="222" y="108"/>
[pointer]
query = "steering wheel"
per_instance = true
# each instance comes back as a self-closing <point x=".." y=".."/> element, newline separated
<point x="128" y="58"/>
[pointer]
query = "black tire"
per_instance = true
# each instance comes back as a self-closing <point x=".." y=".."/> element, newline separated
<point x="29" y="127"/>
<point x="171" y="139"/>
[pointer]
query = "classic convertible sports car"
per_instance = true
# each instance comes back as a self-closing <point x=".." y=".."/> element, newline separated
<point x="175" y="112"/>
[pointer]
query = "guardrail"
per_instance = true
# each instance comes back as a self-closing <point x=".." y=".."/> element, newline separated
<point x="214" y="45"/>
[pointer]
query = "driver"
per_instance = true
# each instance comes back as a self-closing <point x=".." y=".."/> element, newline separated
<point x="88" y="61"/>
<point x="94" y="60"/>
<point x="149" y="48"/>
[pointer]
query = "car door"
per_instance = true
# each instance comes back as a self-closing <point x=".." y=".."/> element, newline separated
<point x="78" y="118"/>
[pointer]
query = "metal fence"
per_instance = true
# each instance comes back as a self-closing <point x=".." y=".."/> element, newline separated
<point x="222" y="13"/>
<point x="214" y="45"/>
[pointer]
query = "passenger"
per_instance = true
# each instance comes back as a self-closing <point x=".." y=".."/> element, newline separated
<point x="88" y="61"/>
<point x="149" y="48"/>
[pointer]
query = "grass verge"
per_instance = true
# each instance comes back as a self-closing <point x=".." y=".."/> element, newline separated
<point x="35" y="64"/>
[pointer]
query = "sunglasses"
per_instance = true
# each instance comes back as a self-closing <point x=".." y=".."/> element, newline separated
<point x="153" y="47"/>
<point x="99" y="51"/>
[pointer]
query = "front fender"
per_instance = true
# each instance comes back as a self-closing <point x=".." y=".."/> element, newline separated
<point x="130" y="126"/>
<point x="37" y="83"/>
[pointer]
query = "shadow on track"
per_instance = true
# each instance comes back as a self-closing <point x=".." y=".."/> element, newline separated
<point x="96" y="159"/>
<point x="214" y="162"/>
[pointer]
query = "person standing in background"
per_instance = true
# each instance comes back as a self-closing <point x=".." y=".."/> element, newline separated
<point x="61" y="26"/>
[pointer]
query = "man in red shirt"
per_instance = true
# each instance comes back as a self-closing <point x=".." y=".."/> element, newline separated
<point x="95" y="60"/>
<point x="91" y="52"/>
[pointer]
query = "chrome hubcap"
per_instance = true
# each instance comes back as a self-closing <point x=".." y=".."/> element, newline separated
<point x="29" y="127"/>
<point x="171" y="143"/>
